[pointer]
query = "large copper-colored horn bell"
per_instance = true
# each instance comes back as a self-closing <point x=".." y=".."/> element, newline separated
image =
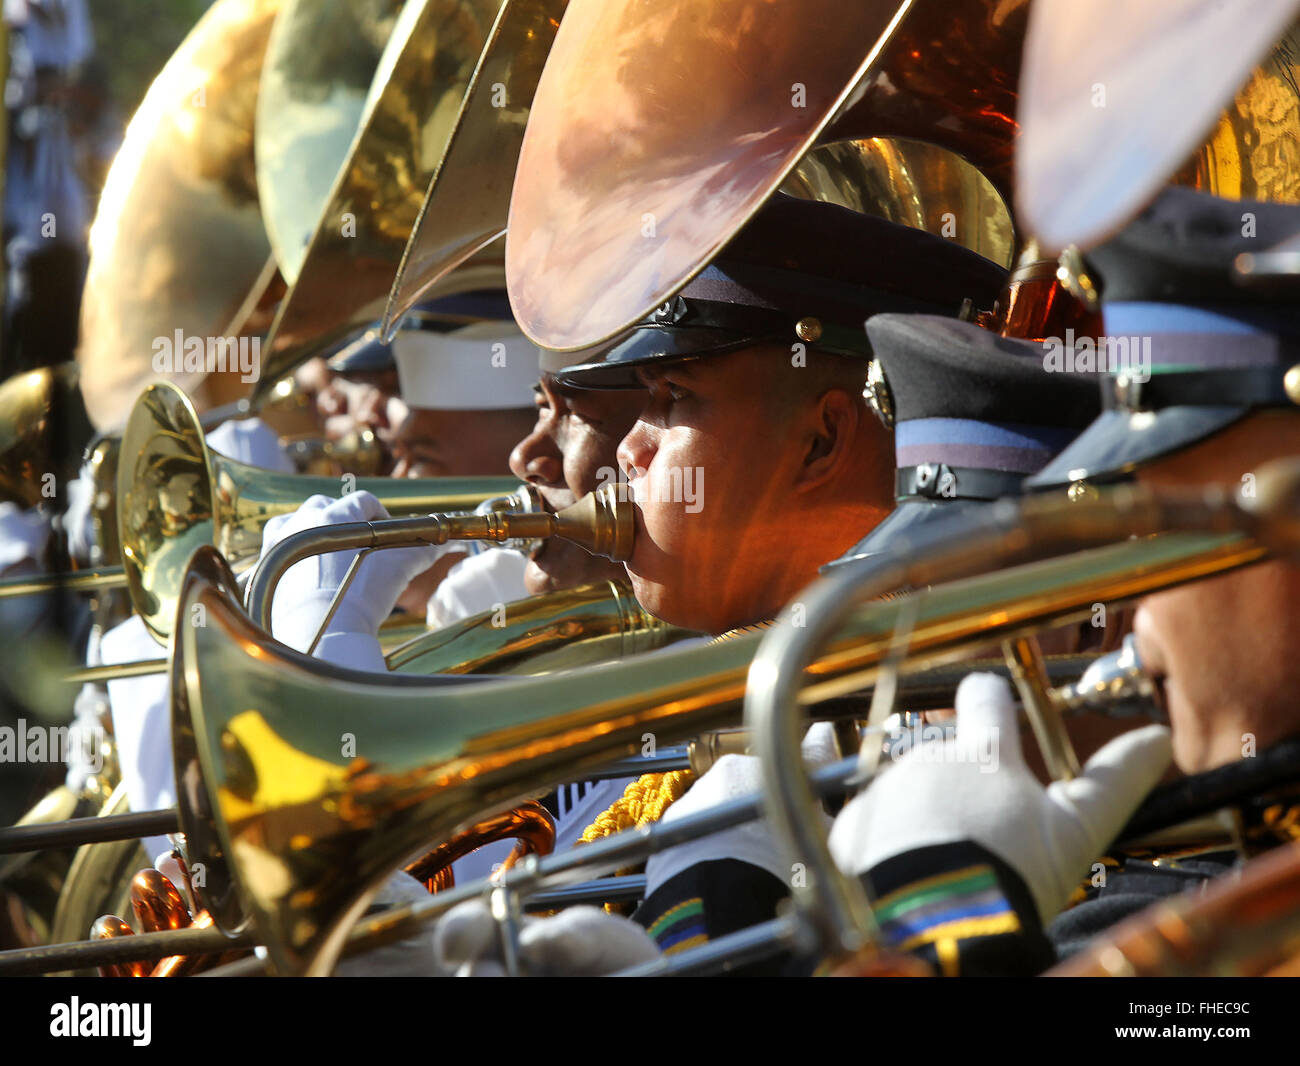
<point x="654" y="137"/>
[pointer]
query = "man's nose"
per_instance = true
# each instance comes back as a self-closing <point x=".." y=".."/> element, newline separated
<point x="537" y="459"/>
<point x="637" y="450"/>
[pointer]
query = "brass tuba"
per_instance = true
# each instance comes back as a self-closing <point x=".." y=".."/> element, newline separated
<point x="177" y="244"/>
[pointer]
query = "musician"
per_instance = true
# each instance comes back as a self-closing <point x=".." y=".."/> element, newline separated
<point x="1215" y="409"/>
<point x="981" y="410"/>
<point x="756" y="458"/>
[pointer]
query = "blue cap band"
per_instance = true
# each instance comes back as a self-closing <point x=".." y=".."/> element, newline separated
<point x="1011" y="446"/>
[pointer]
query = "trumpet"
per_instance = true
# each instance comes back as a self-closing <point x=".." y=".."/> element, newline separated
<point x="601" y="522"/>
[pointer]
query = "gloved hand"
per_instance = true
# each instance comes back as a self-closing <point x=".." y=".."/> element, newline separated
<point x="732" y="777"/>
<point x="977" y="787"/>
<point x="477" y="584"/>
<point x="79" y="518"/>
<point x="578" y="942"/>
<point x="305" y="591"/>
<point x="23" y="536"/>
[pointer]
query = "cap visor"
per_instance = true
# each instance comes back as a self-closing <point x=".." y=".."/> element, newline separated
<point x="1118" y="441"/>
<point x="909" y="521"/>
<point x="651" y="346"/>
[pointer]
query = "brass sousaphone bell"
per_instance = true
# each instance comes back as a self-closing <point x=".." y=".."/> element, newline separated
<point x="364" y="224"/>
<point x="654" y="138"/>
<point x="178" y="242"/>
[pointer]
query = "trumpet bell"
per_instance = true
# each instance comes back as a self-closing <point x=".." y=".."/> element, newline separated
<point x="174" y="494"/>
<point x="274" y="801"/>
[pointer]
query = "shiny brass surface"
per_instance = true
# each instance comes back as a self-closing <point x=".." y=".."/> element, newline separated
<point x="174" y="494"/>
<point x="361" y="232"/>
<point x="467" y="201"/>
<point x="655" y="134"/>
<point x="529" y="823"/>
<point x="316" y="79"/>
<point x="540" y="635"/>
<point x="41" y="418"/>
<point x="1117" y="97"/>
<point x="297" y="836"/>
<point x="1044" y="296"/>
<point x="912" y="183"/>
<point x="1253" y="151"/>
<point x="156" y="903"/>
<point x="177" y="242"/>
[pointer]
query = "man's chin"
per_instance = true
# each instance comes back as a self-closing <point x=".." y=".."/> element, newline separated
<point x="655" y="599"/>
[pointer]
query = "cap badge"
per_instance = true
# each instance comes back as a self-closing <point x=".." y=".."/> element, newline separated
<point x="808" y="329"/>
<point x="670" y="313"/>
<point x="877" y="394"/>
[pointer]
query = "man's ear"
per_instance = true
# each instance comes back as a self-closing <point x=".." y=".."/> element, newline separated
<point x="830" y="439"/>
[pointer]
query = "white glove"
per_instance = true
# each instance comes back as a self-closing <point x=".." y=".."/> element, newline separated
<point x="478" y="584"/>
<point x="732" y="777"/>
<point x="23" y="536"/>
<point x="977" y="787"/>
<point x="79" y="519"/>
<point x="305" y="591"/>
<point x="578" y="942"/>
<point x="251" y="441"/>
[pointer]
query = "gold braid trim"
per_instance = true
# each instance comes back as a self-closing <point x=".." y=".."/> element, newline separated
<point x="643" y="801"/>
<point x="646" y="798"/>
